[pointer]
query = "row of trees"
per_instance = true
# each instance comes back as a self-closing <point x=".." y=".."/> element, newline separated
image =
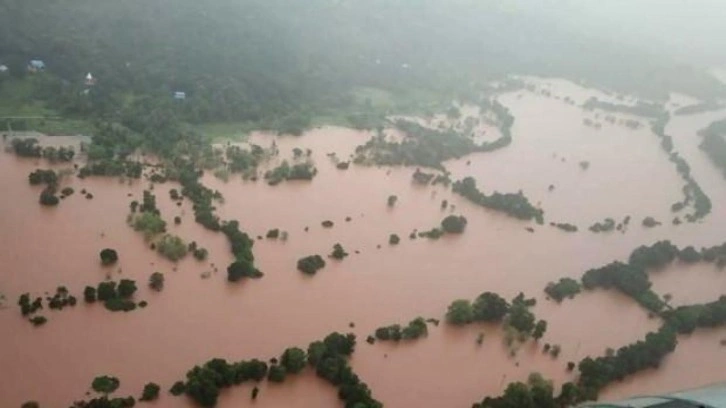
<point x="516" y="205"/>
<point x="328" y="357"/>
<point x="693" y="194"/>
<point x="413" y="330"/>
<point x="285" y="171"/>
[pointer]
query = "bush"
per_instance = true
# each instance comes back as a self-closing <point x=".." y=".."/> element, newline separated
<point x="327" y="224"/>
<point x="454" y="224"/>
<point x="150" y="392"/>
<point x="89" y="294"/>
<point x="105" y="384"/>
<point x="565" y="288"/>
<point x="48" y="197"/>
<point x="276" y="374"/>
<point x="392" y="199"/>
<point x="338" y="252"/>
<point x="310" y="264"/>
<point x="172" y="247"/>
<point x="119" y="305"/>
<point x="460" y="312"/>
<point x="200" y="254"/>
<point x="242" y="269"/>
<point x="394" y="239"/>
<point x="106" y="291"/>
<point x="108" y="256"/>
<point x="38" y="320"/>
<point x="273" y="233"/>
<point x="126" y="288"/>
<point x="156" y="281"/>
<point x="293" y="360"/>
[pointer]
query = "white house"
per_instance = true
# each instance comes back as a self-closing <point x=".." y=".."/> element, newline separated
<point x="90" y="80"/>
<point x="36" y="65"/>
<point x="180" y="95"/>
<point x="4" y="69"/>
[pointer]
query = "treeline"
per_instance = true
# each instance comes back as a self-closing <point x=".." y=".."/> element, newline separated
<point x="691" y="190"/>
<point x="698" y="108"/>
<point x="29" y="147"/>
<point x="646" y="109"/>
<point x="516" y="205"/>
<point x="329" y="359"/>
<point x="713" y="143"/>
<point x="413" y="330"/>
<point x="296" y="171"/>
<point x="631" y="277"/>
<point x="596" y="373"/>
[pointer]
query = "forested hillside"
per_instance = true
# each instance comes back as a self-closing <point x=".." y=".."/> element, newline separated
<point x="271" y="61"/>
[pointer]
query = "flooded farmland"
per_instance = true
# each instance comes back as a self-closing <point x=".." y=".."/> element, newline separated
<point x="196" y="318"/>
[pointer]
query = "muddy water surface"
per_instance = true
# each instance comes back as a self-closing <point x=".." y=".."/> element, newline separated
<point x="195" y="319"/>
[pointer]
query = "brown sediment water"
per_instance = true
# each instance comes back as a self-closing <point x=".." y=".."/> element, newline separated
<point x="195" y="319"/>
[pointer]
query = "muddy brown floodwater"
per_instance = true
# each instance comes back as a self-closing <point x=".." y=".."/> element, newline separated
<point x="195" y="319"/>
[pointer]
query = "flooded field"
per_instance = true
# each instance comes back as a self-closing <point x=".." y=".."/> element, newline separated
<point x="195" y="319"/>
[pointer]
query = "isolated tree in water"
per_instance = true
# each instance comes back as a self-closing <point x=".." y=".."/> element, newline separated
<point x="108" y="256"/>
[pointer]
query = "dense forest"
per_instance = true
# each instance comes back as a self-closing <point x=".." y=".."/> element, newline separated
<point x="279" y="64"/>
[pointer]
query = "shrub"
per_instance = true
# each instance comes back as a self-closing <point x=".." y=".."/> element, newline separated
<point x="310" y="264"/>
<point x="172" y="247"/>
<point x="108" y="256"/>
<point x="105" y="384"/>
<point x="150" y="392"/>
<point x="454" y="224"/>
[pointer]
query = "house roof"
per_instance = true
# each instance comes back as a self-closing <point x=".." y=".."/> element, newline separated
<point x="37" y="64"/>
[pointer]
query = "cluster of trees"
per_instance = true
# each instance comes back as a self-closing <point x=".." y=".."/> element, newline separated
<point x="240" y="160"/>
<point x="328" y="357"/>
<point x="285" y="171"/>
<point x="607" y="225"/>
<point x="28" y="306"/>
<point x="50" y="179"/>
<point x="111" y="168"/>
<point x="61" y="299"/>
<point x="115" y="297"/>
<point x="698" y="108"/>
<point x="106" y="385"/>
<point x="241" y="244"/>
<point x="149" y="223"/>
<point x="416" y="328"/>
<point x="487" y="307"/>
<point x="648" y="353"/>
<point x="172" y="247"/>
<point x="516" y="205"/>
<point x="629" y="279"/>
<point x="535" y="393"/>
<point x="422" y="147"/>
<point x="310" y="264"/>
<point x="338" y="252"/>
<point x="40" y="176"/>
<point x="564" y="288"/>
<point x="567" y="227"/>
<point x="29" y="147"/>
